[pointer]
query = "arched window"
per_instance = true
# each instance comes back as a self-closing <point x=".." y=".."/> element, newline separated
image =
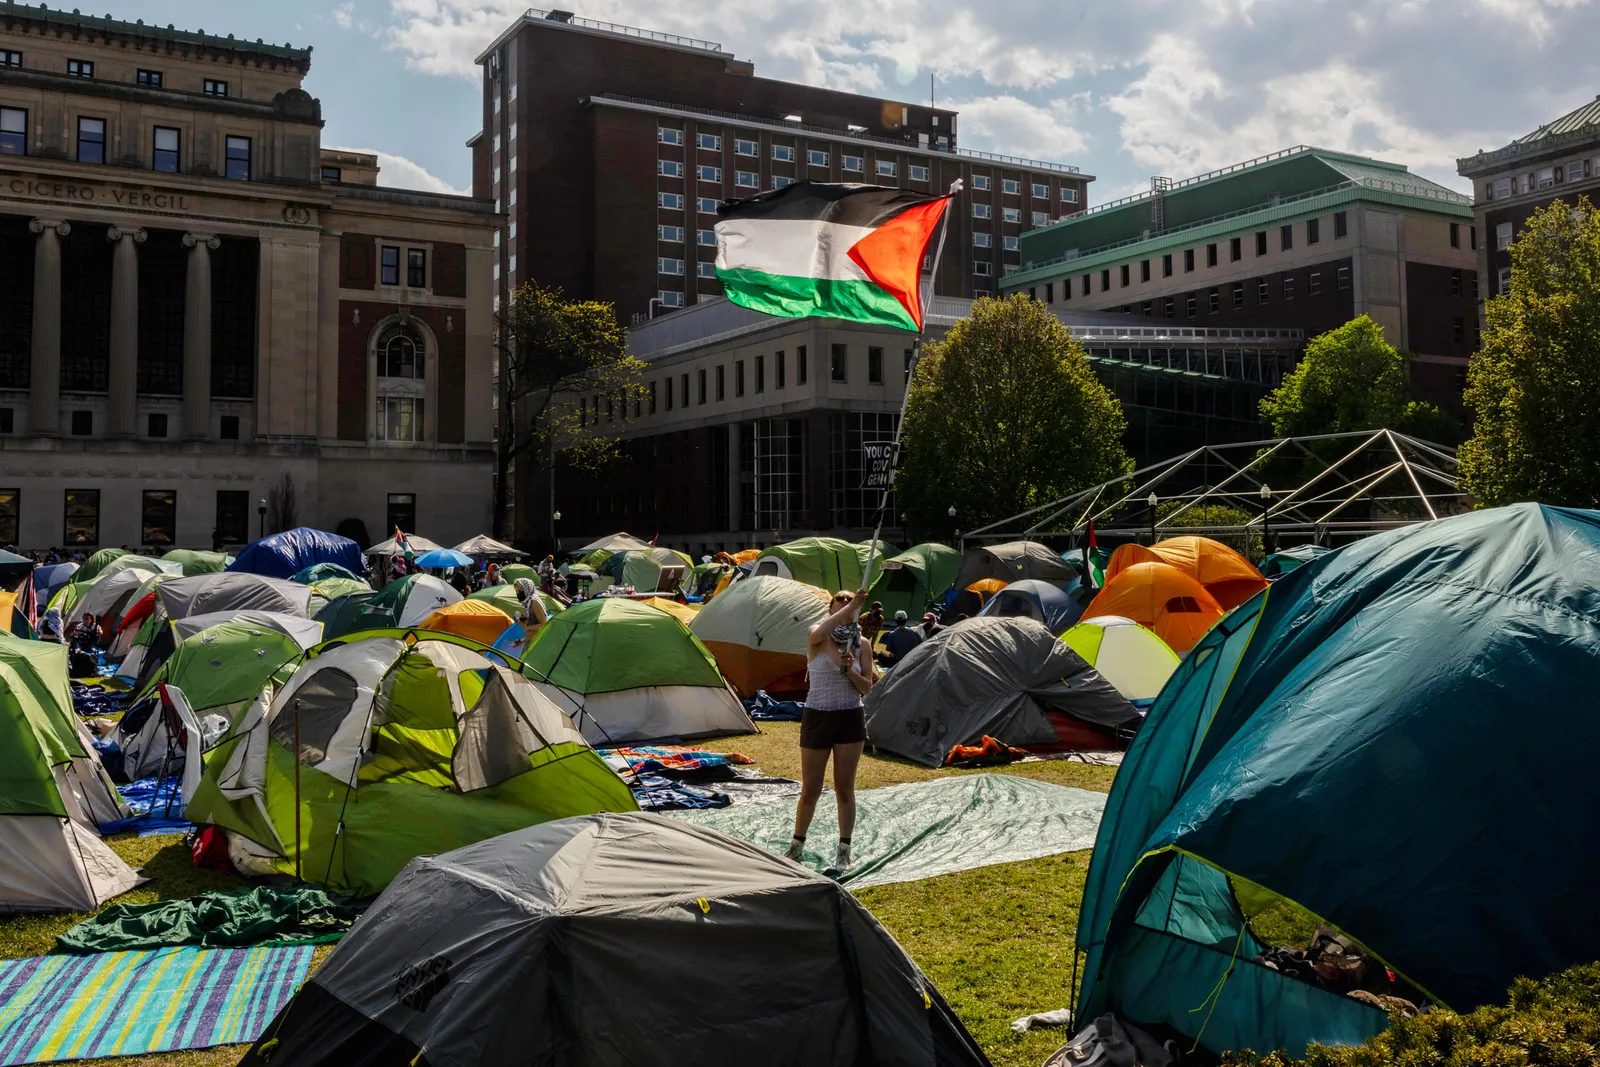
<point x="401" y="385"/>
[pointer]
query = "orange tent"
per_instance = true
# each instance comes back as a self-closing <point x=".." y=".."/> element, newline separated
<point x="1161" y="597"/>
<point x="476" y="619"/>
<point x="986" y="587"/>
<point x="1227" y="575"/>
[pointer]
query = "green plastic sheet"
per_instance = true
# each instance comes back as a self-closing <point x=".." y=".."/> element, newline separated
<point x="923" y="829"/>
<point x="231" y="917"/>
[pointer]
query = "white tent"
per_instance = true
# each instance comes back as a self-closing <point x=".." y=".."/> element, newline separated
<point x="484" y="545"/>
<point x="617" y="542"/>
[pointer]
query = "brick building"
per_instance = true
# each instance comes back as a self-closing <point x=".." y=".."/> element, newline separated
<point x="199" y="300"/>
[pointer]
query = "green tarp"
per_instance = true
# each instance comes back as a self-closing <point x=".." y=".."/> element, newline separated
<point x="610" y="644"/>
<point x="263" y="915"/>
<point x="922" y="829"/>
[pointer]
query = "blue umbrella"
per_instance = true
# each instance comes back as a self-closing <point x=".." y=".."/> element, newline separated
<point x="443" y="557"/>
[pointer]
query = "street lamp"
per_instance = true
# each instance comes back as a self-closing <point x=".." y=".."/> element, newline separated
<point x="261" y="513"/>
<point x="1152" y="500"/>
<point x="1266" y="521"/>
<point x="555" y="517"/>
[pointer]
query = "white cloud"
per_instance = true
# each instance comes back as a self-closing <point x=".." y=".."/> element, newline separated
<point x="401" y="173"/>
<point x="343" y="15"/>
<point x="1016" y="127"/>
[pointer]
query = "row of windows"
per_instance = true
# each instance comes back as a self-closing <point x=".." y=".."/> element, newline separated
<point x="166" y="151"/>
<point x="81" y="424"/>
<point x="706" y="205"/>
<point x="984" y="240"/>
<point x="1011" y="214"/>
<point x="1263" y="288"/>
<point x="84" y="68"/>
<point x="749" y="179"/>
<point x="1543" y="178"/>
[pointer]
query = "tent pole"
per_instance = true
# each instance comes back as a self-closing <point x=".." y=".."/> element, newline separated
<point x="297" y="846"/>
<point x="911" y="371"/>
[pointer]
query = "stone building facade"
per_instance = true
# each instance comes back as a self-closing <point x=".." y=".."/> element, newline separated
<point x="204" y="309"/>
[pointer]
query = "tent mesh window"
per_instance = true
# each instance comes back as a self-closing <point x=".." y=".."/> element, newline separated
<point x="319" y="705"/>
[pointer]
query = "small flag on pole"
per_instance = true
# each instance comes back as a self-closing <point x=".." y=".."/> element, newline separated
<point x="850" y="252"/>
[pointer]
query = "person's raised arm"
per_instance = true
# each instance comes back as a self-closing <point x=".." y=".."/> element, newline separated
<point x="845" y="615"/>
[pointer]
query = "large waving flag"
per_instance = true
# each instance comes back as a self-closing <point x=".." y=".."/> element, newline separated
<point x="842" y="251"/>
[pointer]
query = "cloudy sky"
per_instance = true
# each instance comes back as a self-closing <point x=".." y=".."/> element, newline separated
<point x="1123" y="89"/>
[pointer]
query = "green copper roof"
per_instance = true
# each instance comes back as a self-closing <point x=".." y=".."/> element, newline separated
<point x="1587" y="115"/>
<point x="55" y="16"/>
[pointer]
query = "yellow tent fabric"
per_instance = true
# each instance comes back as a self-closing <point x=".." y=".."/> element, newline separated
<point x="686" y="612"/>
<point x="470" y="618"/>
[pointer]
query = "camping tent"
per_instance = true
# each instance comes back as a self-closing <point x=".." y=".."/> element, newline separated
<point x="109" y="595"/>
<point x="756" y="630"/>
<point x="407" y="746"/>
<point x="280" y="555"/>
<point x="1003" y="677"/>
<point x="826" y="562"/>
<point x="1013" y="561"/>
<point x="147" y="564"/>
<point x="1036" y="600"/>
<point x="1161" y="597"/>
<point x="648" y="570"/>
<point x="98" y="562"/>
<point x="684" y="613"/>
<point x="469" y="618"/>
<point x="403" y="602"/>
<point x="505" y="598"/>
<point x="486" y="546"/>
<point x="635" y="939"/>
<point x="1280" y="563"/>
<point x="1227" y="576"/>
<point x="617" y="542"/>
<point x="195" y="562"/>
<point x="626" y="672"/>
<point x="47" y="579"/>
<point x="53" y="791"/>
<point x="319" y="571"/>
<point x="206" y="594"/>
<point x="415" y="542"/>
<point x="1126" y="654"/>
<point x="916" y="579"/>
<point x="1347" y="743"/>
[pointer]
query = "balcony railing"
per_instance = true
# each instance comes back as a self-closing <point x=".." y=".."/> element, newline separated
<point x="569" y="19"/>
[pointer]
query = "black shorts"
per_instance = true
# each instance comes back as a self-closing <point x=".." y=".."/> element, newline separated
<point x="824" y="729"/>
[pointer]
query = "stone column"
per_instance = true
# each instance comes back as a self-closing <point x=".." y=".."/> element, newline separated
<point x="122" y="406"/>
<point x="197" y="336"/>
<point x="44" y="396"/>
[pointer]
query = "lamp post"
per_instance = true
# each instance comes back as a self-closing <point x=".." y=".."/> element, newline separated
<point x="555" y="517"/>
<point x="261" y="513"/>
<point x="1266" y="521"/>
<point x="1152" y="500"/>
<point x="955" y="534"/>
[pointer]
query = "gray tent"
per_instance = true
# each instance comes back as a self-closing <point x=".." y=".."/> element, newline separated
<point x="994" y="675"/>
<point x="232" y="591"/>
<point x="1012" y="562"/>
<point x="615" y="939"/>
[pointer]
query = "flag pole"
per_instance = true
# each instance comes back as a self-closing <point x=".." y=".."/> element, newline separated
<point x="916" y="357"/>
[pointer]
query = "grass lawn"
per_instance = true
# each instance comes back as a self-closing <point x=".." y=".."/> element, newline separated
<point x="997" y="941"/>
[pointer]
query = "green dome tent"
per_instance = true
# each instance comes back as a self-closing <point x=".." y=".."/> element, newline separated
<point x="1347" y="743"/>
<point x="403" y="602"/>
<point x="223" y="664"/>
<point x="406" y="748"/>
<point x="195" y="562"/>
<point x="98" y="562"/>
<point x="505" y="598"/>
<point x="649" y="570"/>
<point x="626" y="672"/>
<point x="825" y="562"/>
<point x="1127" y="655"/>
<point x="916" y="579"/>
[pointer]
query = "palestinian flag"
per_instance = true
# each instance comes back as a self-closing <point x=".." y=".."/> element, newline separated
<point x="842" y="251"/>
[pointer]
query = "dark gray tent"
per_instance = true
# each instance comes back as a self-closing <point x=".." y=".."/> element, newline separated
<point x="205" y="594"/>
<point x="1012" y="562"/>
<point x="616" y="939"/>
<point x="994" y="675"/>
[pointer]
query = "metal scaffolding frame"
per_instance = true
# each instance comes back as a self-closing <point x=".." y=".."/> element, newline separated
<point x="1383" y="480"/>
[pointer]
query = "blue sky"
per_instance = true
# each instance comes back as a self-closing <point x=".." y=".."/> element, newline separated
<point x="1124" y="90"/>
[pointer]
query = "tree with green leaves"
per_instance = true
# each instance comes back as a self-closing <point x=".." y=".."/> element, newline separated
<point x="1005" y="414"/>
<point x="557" y="357"/>
<point x="1534" y="386"/>
<point x="1350" y="378"/>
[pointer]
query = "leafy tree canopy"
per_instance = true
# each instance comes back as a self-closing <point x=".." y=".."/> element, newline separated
<point x="1534" y="387"/>
<point x="1004" y="414"/>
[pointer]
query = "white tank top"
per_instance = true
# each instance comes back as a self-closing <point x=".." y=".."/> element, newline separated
<point x="829" y="689"/>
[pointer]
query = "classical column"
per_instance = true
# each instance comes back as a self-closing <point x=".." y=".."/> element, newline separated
<point x="44" y="396"/>
<point x="123" y="380"/>
<point x="197" y="336"/>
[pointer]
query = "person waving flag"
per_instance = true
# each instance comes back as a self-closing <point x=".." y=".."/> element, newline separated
<point x="852" y="252"/>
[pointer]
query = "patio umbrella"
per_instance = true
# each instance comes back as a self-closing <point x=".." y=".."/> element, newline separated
<point x="444" y="557"/>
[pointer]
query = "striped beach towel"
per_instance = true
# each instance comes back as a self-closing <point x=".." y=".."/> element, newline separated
<point x="127" y="1003"/>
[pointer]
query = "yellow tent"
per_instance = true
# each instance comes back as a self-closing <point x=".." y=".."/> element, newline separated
<point x="686" y="612"/>
<point x="469" y="618"/>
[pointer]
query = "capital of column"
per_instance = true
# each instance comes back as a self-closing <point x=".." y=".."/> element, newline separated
<point x="117" y="233"/>
<point x="40" y="225"/>
<point x="210" y="240"/>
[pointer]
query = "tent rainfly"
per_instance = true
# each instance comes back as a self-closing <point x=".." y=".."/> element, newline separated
<point x="416" y="542"/>
<point x="486" y="546"/>
<point x="617" y="542"/>
<point x="757" y="631"/>
<point x="916" y="580"/>
<point x="281" y="555"/>
<point x="206" y="594"/>
<point x="1012" y="562"/>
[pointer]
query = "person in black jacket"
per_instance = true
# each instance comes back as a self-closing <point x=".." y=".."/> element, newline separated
<point x="899" y="641"/>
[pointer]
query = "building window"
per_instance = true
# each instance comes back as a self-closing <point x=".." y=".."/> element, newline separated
<point x="816" y="158"/>
<point x="674" y="234"/>
<point x="667" y="381"/>
<point x="1315" y="285"/>
<point x="1040" y="219"/>
<point x="783" y="153"/>
<point x="156" y="425"/>
<point x="708" y="141"/>
<point x="887" y="168"/>
<point x="670" y="201"/>
<point x="668" y="135"/>
<point x="982" y="240"/>
<point x="1189" y="306"/>
<point x="1455" y="283"/>
<point x="1502" y="236"/>
<point x="1123" y="276"/>
<point x="980" y="293"/>
<point x="417" y="268"/>
<point x="722" y="382"/>
<point x="709" y="174"/>
<point x="1342" y="279"/>
<point x="1144" y="270"/>
<point x="1011" y="244"/>
<point x="1069" y="196"/>
<point x="801" y="365"/>
<point x="683" y="395"/>
<point x="1288" y="286"/>
<point x="1041" y="192"/>
<point x="919" y="174"/>
<point x="1011" y="214"/>
<point x="233" y="516"/>
<point x="1455" y="235"/>
<point x="9" y="58"/>
<point x="1262" y="291"/>
<point x="982" y="268"/>
<point x="389" y="265"/>
<point x="1214" y="301"/>
<point x="1547" y="177"/>
<point x="1049" y="292"/>
<point x="1011" y="187"/>
<point x="8" y="421"/>
<point x="761" y="374"/>
<point x="1472" y="285"/>
<point x="10" y="500"/>
<point x="669" y="168"/>
<point x="909" y="359"/>
<point x="1340" y="224"/>
<point x="668" y="298"/>
<point x="91" y="140"/>
<point x="705" y="270"/>
<point x="738" y="377"/>
<point x="332" y="174"/>
<point x="853" y="164"/>
<point x="982" y="211"/>
<point x="80" y="68"/>
<point x="745" y="179"/>
<point x="228" y="428"/>
<point x="700" y="384"/>
<point x="83" y="424"/>
<point x="213" y="87"/>
<point x="238" y="159"/>
<point x="840" y="363"/>
<point x="742" y="147"/>
<point x="1145" y="309"/>
<point x="778" y="369"/>
<point x="13" y="131"/>
<point x="1166" y="265"/>
<point x="875" y="366"/>
<point x="1458" y="331"/>
<point x="1167" y="307"/>
<point x="1313" y="231"/>
<point x="1238" y="295"/>
<point x="1188" y="260"/>
<point x="707" y="205"/>
<point x="401" y="373"/>
<point x="669" y="266"/>
<point x="1085" y="283"/>
<point x="1105" y="280"/>
<point x="401" y="511"/>
<point x="158" y="516"/>
<point x="1211" y="255"/>
<point x="1504" y="287"/>
<point x="706" y="238"/>
<point x="1472" y="237"/>
<point x="980" y="182"/>
<point x="1286" y="238"/>
<point x="1236" y="248"/>
<point x="82" y="517"/>
<point x="779" y="181"/>
<point x="150" y="78"/>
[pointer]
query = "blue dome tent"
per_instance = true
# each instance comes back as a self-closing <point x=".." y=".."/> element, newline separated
<point x="283" y="555"/>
